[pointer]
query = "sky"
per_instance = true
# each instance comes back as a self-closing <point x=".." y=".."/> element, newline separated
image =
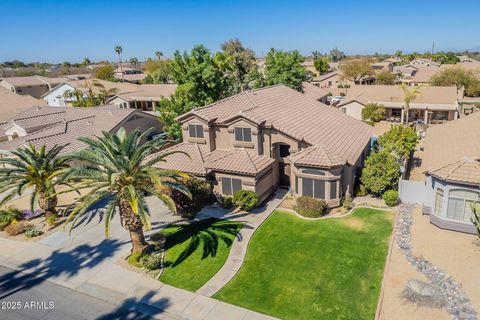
<point x="57" y="31"/>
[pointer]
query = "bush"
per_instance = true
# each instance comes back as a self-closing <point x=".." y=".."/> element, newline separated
<point x="399" y="140"/>
<point x="390" y="197"/>
<point x="17" y="228"/>
<point x="381" y="172"/>
<point x="310" y="207"/>
<point x="245" y="199"/>
<point x="33" y="232"/>
<point x="226" y="202"/>
<point x="9" y="215"/>
<point x="105" y="72"/>
<point x="347" y="202"/>
<point x="362" y="191"/>
<point x="374" y="112"/>
<point x="52" y="220"/>
<point x="151" y="261"/>
<point x="201" y="192"/>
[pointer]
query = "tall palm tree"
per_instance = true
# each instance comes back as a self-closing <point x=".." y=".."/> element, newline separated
<point x="37" y="169"/>
<point x="134" y="62"/>
<point x="409" y="94"/>
<point x="119" y="50"/>
<point x="159" y="55"/>
<point x="117" y="168"/>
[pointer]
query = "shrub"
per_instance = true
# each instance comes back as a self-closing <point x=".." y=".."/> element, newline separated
<point x="310" y="207"/>
<point x="9" y="215"/>
<point x="17" y="228"/>
<point x="390" y="197"/>
<point x="374" y="112"/>
<point x="33" y="232"/>
<point x="245" y="199"/>
<point x="151" y="261"/>
<point x="226" y="202"/>
<point x="381" y="172"/>
<point x="105" y="72"/>
<point x="347" y="202"/>
<point x="52" y="220"/>
<point x="29" y="214"/>
<point x="201" y="192"/>
<point x="362" y="191"/>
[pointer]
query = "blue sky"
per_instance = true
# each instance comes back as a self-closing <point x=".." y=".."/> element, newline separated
<point x="56" y="31"/>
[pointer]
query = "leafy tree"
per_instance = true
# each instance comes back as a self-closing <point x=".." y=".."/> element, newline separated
<point x="117" y="168"/>
<point x="39" y="170"/>
<point x="158" y="71"/>
<point x="118" y="50"/>
<point x="456" y="76"/>
<point x="67" y="65"/>
<point x="409" y="95"/>
<point x="321" y="65"/>
<point x="200" y="80"/>
<point x="356" y="69"/>
<point x="105" y="72"/>
<point x="381" y="172"/>
<point x="374" y="112"/>
<point x="238" y="62"/>
<point x="386" y="77"/>
<point x="399" y="53"/>
<point x="134" y="62"/>
<point x="86" y="62"/>
<point x="336" y="55"/>
<point x="400" y="141"/>
<point x="285" y="68"/>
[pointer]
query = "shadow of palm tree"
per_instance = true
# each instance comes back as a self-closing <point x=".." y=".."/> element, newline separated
<point x="137" y="309"/>
<point x="207" y="234"/>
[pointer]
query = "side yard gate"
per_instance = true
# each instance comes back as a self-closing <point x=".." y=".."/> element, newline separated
<point x="411" y="191"/>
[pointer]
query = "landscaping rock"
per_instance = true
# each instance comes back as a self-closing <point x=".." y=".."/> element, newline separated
<point x="453" y="298"/>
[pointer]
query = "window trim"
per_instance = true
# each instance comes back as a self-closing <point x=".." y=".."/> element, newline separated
<point x="242" y="131"/>
<point x="232" y="184"/>
<point x="196" y="131"/>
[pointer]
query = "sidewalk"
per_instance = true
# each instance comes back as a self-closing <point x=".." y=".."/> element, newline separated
<point x="86" y="262"/>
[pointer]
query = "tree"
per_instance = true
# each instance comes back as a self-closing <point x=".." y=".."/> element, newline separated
<point x="336" y="55"/>
<point x="105" y="72"/>
<point x="356" y="69"/>
<point x="381" y="172"/>
<point x="316" y="55"/>
<point x="67" y="65"/>
<point x="455" y="76"/>
<point x="400" y="141"/>
<point x="118" y="50"/>
<point x="200" y="81"/>
<point x="285" y="68"/>
<point x="117" y="168"/>
<point x="321" y="65"/>
<point x="37" y="170"/>
<point x="237" y="62"/>
<point x="386" y="77"/>
<point x="103" y="93"/>
<point x="86" y="62"/>
<point x="158" y="71"/>
<point x="374" y="112"/>
<point x="159" y="55"/>
<point x="134" y="62"/>
<point x="409" y="95"/>
<point x="399" y="53"/>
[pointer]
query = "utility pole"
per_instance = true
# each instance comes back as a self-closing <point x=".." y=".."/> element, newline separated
<point x="433" y="47"/>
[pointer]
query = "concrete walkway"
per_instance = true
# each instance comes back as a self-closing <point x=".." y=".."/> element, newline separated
<point x="86" y="262"/>
<point x="240" y="244"/>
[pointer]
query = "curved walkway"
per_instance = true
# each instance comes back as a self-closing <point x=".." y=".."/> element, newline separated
<point x="456" y="301"/>
<point x="240" y="244"/>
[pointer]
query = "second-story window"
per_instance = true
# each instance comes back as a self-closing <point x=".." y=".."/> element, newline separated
<point x="243" y="134"/>
<point x="195" y="130"/>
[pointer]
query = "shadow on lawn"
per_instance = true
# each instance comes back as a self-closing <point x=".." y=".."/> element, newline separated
<point x="206" y="234"/>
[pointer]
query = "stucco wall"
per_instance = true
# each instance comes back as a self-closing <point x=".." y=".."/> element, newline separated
<point x="353" y="109"/>
<point x="52" y="98"/>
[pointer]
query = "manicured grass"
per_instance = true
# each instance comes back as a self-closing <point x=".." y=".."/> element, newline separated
<point x="325" y="269"/>
<point x="195" y="252"/>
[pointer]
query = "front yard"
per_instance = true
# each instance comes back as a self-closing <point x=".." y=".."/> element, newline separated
<point x="325" y="269"/>
<point x="196" y="251"/>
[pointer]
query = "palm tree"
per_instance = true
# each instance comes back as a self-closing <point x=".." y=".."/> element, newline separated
<point x="77" y="94"/>
<point x="409" y="94"/>
<point x="159" y="55"/>
<point x="134" y="62"/>
<point x="86" y="62"/>
<point x="36" y="169"/>
<point x="117" y="168"/>
<point x="119" y="50"/>
<point x="104" y="93"/>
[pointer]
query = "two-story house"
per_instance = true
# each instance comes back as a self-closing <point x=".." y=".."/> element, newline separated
<point x="262" y="139"/>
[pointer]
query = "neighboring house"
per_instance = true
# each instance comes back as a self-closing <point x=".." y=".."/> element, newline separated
<point x="433" y="105"/>
<point x="35" y="86"/>
<point x="451" y="172"/>
<point x="330" y="80"/>
<point x="57" y="96"/>
<point x="466" y="59"/>
<point x="50" y="126"/>
<point x="315" y="92"/>
<point x="424" y="75"/>
<point x="129" y="75"/>
<point x="423" y="62"/>
<point x="12" y="103"/>
<point x="144" y="97"/>
<point x="274" y="136"/>
<point x="382" y="66"/>
<point x="405" y="72"/>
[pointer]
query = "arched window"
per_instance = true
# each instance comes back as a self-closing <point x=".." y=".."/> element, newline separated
<point x="460" y="204"/>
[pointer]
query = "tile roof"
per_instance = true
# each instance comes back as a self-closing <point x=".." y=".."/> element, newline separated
<point x="316" y="156"/>
<point x="12" y="103"/>
<point x="200" y="161"/>
<point x="313" y="91"/>
<point x="57" y="125"/>
<point x="144" y="92"/>
<point x="294" y="114"/>
<point x="462" y="171"/>
<point x="448" y="142"/>
<point x="34" y="81"/>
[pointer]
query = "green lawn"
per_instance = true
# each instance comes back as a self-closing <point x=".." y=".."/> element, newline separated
<point x="324" y="269"/>
<point x="195" y="252"/>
